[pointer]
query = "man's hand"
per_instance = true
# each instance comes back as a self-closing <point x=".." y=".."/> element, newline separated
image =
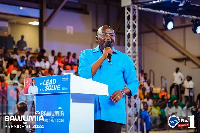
<point x="116" y="96"/>
<point x="107" y="51"/>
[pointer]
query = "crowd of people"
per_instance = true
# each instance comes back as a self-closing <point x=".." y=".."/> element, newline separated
<point x="14" y="68"/>
<point x="157" y="107"/>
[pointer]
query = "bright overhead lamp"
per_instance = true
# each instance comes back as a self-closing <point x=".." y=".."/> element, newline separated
<point x="34" y="23"/>
<point x="168" y="22"/>
<point x="196" y="26"/>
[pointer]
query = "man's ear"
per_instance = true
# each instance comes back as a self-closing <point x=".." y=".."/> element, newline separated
<point x="97" y="39"/>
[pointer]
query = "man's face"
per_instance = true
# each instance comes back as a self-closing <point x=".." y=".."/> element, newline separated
<point x="145" y="106"/>
<point x="23" y="70"/>
<point x="149" y="82"/>
<point x="12" y="76"/>
<point x="52" y="53"/>
<point x="105" y="34"/>
<point x="22" y="59"/>
<point x="15" y="63"/>
<point x="177" y="69"/>
<point x="33" y="82"/>
<point x="170" y="105"/>
<point x="145" y="76"/>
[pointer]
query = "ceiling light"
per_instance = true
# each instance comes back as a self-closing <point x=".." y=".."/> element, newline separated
<point x="168" y="22"/>
<point x="34" y="23"/>
<point x="21" y="8"/>
<point x="196" y="26"/>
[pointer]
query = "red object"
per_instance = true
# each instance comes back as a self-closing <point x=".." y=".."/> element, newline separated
<point x="10" y="68"/>
<point x="27" y="83"/>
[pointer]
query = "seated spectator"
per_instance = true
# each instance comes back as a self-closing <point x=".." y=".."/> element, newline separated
<point x="145" y="118"/>
<point x="177" y="110"/>
<point x="58" y="69"/>
<point x="60" y="72"/>
<point x="59" y="58"/>
<point x="151" y="93"/>
<point x="12" y="67"/>
<point x="162" y="102"/>
<point x="50" y="72"/>
<point x="31" y="62"/>
<point x="2" y="64"/>
<point x="2" y="73"/>
<point x="68" y="59"/>
<point x="142" y="93"/>
<point x="45" y="64"/>
<point x="12" y="78"/>
<point x="30" y="71"/>
<point x="23" y="75"/>
<point x="75" y="60"/>
<point x="141" y="76"/>
<point x="54" y="65"/>
<point x="5" y="55"/>
<point x="148" y="86"/>
<point x="51" y="57"/>
<point x="38" y="64"/>
<point x="3" y="84"/>
<point x="187" y="110"/>
<point x="71" y="70"/>
<point x="145" y="79"/>
<point x="41" y="55"/>
<point x="38" y="72"/>
<point x="15" y="54"/>
<point x="155" y="117"/>
<point x="189" y="86"/>
<point x="148" y="100"/>
<point x="28" y="56"/>
<point x="163" y="92"/>
<point x="22" y="62"/>
<point x="169" y="109"/>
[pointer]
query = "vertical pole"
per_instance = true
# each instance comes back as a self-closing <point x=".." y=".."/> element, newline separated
<point x="41" y="23"/>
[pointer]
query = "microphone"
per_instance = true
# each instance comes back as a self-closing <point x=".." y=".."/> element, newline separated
<point x="108" y="44"/>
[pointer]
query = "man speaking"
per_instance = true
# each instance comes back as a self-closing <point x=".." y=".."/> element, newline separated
<point x="106" y="65"/>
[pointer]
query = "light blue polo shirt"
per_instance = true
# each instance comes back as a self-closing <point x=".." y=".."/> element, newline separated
<point x="121" y="71"/>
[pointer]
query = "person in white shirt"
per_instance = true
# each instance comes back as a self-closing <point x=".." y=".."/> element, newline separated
<point x="189" y="86"/>
<point x="187" y="110"/>
<point x="169" y="110"/>
<point x="177" y="110"/>
<point x="148" y="86"/>
<point x="148" y="101"/>
<point x="178" y="80"/>
<point x="54" y="65"/>
<point x="33" y="89"/>
<point x="45" y="64"/>
<point x="51" y="57"/>
<point x="141" y="76"/>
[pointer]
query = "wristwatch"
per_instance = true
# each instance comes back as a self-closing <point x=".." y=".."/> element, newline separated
<point x="123" y="93"/>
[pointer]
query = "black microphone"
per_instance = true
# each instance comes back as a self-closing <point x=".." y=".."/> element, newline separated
<point x="108" y="44"/>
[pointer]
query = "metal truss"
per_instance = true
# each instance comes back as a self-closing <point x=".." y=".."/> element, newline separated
<point x="131" y="49"/>
<point x="131" y="33"/>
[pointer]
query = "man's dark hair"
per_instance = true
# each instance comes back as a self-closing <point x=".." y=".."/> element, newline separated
<point x="21" y="107"/>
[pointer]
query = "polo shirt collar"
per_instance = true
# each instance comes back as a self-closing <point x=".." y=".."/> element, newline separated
<point x="97" y="49"/>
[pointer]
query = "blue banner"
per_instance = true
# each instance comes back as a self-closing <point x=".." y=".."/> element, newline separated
<point x="55" y="109"/>
<point x="48" y="84"/>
